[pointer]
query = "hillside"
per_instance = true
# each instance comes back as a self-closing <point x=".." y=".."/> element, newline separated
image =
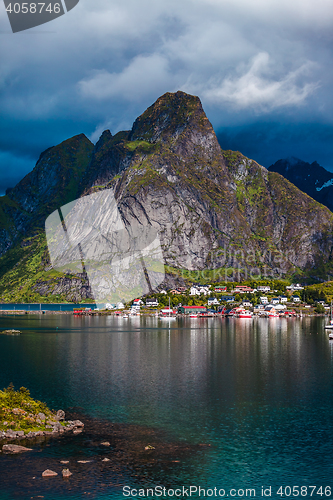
<point x="213" y="209"/>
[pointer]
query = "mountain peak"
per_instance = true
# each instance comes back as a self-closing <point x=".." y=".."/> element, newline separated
<point x="105" y="137"/>
<point x="169" y="116"/>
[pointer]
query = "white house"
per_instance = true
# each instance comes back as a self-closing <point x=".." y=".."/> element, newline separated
<point x="120" y="305"/>
<point x="264" y="288"/>
<point x="151" y="303"/>
<point x="137" y="302"/>
<point x="296" y="298"/>
<point x="294" y="287"/>
<point x="275" y="301"/>
<point x="263" y="300"/>
<point x="280" y="307"/>
<point x="212" y="301"/>
<point x="200" y="290"/>
<point x="283" y="299"/>
<point x="246" y="303"/>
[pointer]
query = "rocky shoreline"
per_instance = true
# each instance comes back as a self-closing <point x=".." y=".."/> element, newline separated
<point x="99" y="460"/>
<point x="52" y="427"/>
<point x="24" y="418"/>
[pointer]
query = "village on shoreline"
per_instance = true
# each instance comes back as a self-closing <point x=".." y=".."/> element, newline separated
<point x="275" y="297"/>
<point x="278" y="298"/>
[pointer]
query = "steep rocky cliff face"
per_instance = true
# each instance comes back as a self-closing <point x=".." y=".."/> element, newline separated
<point x="213" y="209"/>
<point x="53" y="182"/>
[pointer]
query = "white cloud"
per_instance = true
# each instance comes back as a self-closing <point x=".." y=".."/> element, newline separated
<point x="255" y="88"/>
<point x="142" y="76"/>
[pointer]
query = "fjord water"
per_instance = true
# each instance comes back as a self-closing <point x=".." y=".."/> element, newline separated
<point x="252" y="399"/>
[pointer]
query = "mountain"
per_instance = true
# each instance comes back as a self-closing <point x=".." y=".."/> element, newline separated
<point x="218" y="213"/>
<point x="313" y="179"/>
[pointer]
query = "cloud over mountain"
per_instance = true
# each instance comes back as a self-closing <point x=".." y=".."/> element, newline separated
<point x="104" y="61"/>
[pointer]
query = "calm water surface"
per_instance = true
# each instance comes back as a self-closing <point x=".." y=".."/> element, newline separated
<point x="259" y="393"/>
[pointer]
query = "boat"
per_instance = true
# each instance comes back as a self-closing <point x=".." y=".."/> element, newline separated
<point x="193" y="315"/>
<point x="243" y="313"/>
<point x="125" y="316"/>
<point x="168" y="313"/>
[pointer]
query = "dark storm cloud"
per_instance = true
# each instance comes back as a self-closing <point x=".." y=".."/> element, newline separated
<point x="266" y="142"/>
<point x="252" y="62"/>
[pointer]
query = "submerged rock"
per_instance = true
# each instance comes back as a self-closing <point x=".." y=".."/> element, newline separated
<point x="11" y="332"/>
<point x="66" y="473"/>
<point x="49" y="473"/>
<point x="14" y="448"/>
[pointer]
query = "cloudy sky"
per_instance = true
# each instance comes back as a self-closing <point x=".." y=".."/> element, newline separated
<point x="262" y="68"/>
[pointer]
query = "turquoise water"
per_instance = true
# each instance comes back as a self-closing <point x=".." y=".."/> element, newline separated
<point x="250" y="402"/>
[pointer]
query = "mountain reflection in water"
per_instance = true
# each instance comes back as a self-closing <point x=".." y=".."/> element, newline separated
<point x="257" y="394"/>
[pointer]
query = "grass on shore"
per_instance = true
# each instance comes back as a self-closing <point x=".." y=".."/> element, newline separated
<point x="19" y="411"/>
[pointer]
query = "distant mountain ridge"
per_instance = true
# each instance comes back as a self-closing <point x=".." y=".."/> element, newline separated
<point x="213" y="209"/>
<point x="312" y="179"/>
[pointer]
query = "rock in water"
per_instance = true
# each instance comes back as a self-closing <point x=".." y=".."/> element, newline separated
<point x="105" y="443"/>
<point x="66" y="473"/>
<point x="14" y="448"/>
<point x="11" y="332"/>
<point x="60" y="415"/>
<point x="78" y="423"/>
<point x="49" y="473"/>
